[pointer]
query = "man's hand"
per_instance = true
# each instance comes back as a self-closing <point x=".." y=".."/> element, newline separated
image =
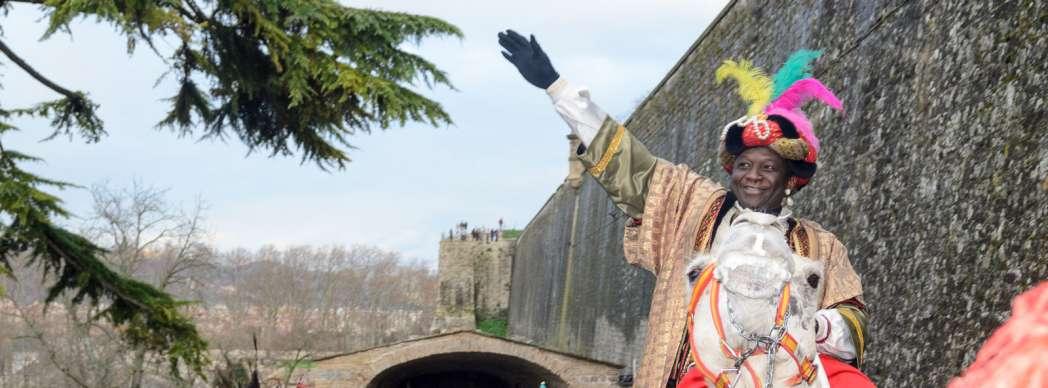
<point x="529" y="58"/>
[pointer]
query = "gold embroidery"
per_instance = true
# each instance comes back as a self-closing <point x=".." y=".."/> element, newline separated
<point x="703" y="239"/>
<point x="705" y="236"/>
<point x="681" y="364"/>
<point x="793" y="149"/>
<point x="799" y="240"/>
<point x="613" y="147"/>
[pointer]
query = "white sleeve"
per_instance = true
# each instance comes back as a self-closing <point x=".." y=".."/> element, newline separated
<point x="573" y="104"/>
<point x="833" y="336"/>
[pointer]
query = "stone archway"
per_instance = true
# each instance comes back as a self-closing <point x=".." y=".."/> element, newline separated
<point x="459" y="358"/>
<point x="468" y="369"/>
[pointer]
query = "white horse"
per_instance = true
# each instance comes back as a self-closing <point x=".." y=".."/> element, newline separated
<point x="761" y="331"/>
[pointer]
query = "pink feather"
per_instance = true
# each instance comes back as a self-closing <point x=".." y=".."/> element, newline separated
<point x="800" y="121"/>
<point x="789" y="103"/>
<point x="803" y="91"/>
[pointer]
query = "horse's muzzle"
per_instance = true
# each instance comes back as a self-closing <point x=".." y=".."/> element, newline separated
<point x="752" y="280"/>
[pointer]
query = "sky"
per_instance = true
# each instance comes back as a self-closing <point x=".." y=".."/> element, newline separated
<point x="505" y="154"/>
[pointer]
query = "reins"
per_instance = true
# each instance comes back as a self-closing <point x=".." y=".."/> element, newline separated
<point x="779" y="338"/>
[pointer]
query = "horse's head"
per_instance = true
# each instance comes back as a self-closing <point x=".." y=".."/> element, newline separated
<point x="754" y="260"/>
<point x="753" y="264"/>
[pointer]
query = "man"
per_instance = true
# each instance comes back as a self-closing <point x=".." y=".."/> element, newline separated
<point x="677" y="213"/>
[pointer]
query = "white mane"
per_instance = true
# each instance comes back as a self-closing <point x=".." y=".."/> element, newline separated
<point x="752" y="265"/>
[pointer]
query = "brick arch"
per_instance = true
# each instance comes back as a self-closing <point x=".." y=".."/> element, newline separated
<point x="462" y="352"/>
<point x="479" y="368"/>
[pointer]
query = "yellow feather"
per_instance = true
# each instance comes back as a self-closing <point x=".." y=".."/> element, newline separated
<point x="754" y="86"/>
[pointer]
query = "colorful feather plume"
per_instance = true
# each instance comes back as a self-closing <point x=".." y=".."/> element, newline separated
<point x="754" y="86"/>
<point x="796" y="68"/>
<point x="789" y="103"/>
<point x="803" y="91"/>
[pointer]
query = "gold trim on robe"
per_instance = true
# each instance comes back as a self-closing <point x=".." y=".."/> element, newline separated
<point x="674" y="203"/>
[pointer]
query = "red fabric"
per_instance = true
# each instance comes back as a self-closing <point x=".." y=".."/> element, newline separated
<point x="840" y="374"/>
<point x="843" y="375"/>
<point x="1014" y="354"/>
<point x="692" y="379"/>
<point x="750" y="138"/>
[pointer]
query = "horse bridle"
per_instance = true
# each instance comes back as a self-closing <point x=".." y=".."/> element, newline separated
<point x="777" y="339"/>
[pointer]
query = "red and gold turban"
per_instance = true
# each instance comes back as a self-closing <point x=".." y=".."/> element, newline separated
<point x="774" y="118"/>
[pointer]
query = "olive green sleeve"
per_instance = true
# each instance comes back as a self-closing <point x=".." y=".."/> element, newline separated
<point x="856" y="321"/>
<point x="621" y="164"/>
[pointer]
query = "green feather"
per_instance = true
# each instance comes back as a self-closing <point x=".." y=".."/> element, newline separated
<point x="796" y="68"/>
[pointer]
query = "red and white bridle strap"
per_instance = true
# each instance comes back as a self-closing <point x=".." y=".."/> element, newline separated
<point x="805" y="368"/>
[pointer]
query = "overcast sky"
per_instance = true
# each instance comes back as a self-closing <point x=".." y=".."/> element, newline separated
<point x="503" y="157"/>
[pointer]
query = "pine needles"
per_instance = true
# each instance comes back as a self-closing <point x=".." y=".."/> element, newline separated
<point x="286" y="77"/>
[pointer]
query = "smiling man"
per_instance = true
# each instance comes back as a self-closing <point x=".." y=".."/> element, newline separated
<point x="758" y="179"/>
<point x="770" y="153"/>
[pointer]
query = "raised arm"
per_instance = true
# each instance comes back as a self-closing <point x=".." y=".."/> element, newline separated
<point x="619" y="162"/>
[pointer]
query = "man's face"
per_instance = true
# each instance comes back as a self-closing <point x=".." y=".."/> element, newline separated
<point x="758" y="179"/>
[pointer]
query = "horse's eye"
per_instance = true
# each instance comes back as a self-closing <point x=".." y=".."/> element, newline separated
<point x="813" y="280"/>
<point x="692" y="275"/>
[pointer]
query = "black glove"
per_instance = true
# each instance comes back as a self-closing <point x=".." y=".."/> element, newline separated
<point x="529" y="58"/>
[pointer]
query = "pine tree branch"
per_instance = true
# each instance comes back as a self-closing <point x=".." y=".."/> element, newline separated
<point x="187" y="14"/>
<point x="36" y="75"/>
<point x="200" y="17"/>
<point x="116" y="290"/>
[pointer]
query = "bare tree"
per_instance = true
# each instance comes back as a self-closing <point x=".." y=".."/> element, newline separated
<point x="301" y="301"/>
<point x="138" y="224"/>
<point x="146" y="237"/>
<point x="327" y="298"/>
<point x="59" y="337"/>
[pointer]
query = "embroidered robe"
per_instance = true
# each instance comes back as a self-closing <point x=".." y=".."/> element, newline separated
<point x="678" y="212"/>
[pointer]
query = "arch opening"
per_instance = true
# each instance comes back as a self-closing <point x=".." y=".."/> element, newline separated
<point x="468" y="370"/>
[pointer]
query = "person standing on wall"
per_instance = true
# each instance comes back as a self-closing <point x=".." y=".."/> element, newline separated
<point x="676" y="213"/>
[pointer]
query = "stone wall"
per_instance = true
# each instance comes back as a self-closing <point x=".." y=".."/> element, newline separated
<point x="474" y="282"/>
<point x="571" y="289"/>
<point x="491" y="268"/>
<point x="936" y="178"/>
